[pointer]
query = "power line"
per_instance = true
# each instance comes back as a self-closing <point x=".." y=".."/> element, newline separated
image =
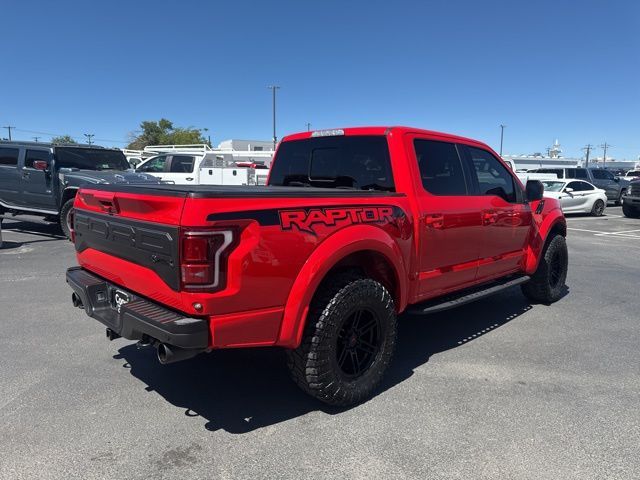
<point x="50" y="134"/>
<point x="587" y="149"/>
<point x="9" y="127"/>
<point x="604" y="146"/>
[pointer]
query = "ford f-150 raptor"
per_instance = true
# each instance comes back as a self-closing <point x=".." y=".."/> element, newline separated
<point x="355" y="226"/>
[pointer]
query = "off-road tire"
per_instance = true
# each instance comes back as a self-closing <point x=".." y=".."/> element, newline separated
<point x="598" y="208"/>
<point x="314" y="364"/>
<point x="629" y="211"/>
<point x="547" y="284"/>
<point x="64" y="217"/>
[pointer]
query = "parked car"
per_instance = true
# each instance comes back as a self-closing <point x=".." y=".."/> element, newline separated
<point x="631" y="205"/>
<point x="526" y="175"/>
<point x="615" y="187"/>
<point x="576" y="196"/>
<point x="42" y="179"/>
<point x="631" y="175"/>
<point x="355" y="226"/>
<point x="200" y="165"/>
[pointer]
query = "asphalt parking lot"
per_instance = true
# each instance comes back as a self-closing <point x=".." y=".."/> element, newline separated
<point x="496" y="389"/>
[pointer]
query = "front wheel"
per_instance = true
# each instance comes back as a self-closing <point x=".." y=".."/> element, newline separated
<point x="348" y="341"/>
<point x="66" y="213"/>
<point x="547" y="284"/>
<point x="598" y="208"/>
<point x="629" y="211"/>
<point x="620" y="200"/>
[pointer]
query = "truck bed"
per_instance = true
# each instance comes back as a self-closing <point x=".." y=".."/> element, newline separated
<point x="237" y="191"/>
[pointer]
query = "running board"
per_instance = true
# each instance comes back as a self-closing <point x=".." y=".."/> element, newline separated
<point x="465" y="296"/>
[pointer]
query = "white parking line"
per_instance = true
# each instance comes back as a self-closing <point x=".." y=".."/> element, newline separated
<point x="619" y="233"/>
<point x="598" y="233"/>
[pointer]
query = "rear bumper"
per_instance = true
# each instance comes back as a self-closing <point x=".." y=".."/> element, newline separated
<point x="134" y="317"/>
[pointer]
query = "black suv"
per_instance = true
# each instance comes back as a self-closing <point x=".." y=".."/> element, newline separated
<point x="42" y="179"/>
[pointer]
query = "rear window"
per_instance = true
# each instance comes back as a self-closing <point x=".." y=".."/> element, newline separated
<point x="91" y="159"/>
<point x="360" y="162"/>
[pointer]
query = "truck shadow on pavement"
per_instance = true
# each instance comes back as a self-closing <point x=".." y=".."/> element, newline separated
<point x="246" y="389"/>
<point x="50" y="231"/>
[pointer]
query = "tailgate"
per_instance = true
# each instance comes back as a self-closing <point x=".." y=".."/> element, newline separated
<point x="139" y="228"/>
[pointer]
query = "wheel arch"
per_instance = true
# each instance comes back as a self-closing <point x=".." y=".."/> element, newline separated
<point x="363" y="247"/>
<point x="553" y="224"/>
<point x="67" y="194"/>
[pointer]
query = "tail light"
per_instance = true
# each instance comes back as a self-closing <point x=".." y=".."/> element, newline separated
<point x="203" y="259"/>
<point x="72" y="231"/>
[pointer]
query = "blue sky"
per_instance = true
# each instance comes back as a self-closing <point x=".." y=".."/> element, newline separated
<point x="546" y="69"/>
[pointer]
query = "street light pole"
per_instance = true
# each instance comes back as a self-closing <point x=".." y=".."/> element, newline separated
<point x="308" y="127"/>
<point x="501" y="137"/>
<point x="273" y="89"/>
<point x="89" y="136"/>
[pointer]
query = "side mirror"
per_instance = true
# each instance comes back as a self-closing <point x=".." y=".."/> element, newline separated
<point x="534" y="190"/>
<point x="569" y="191"/>
<point x="40" y="165"/>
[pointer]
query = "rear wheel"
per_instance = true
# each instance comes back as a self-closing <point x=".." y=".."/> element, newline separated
<point x="598" y="208"/>
<point x="66" y="213"/>
<point x="629" y="211"/>
<point x="348" y="341"/>
<point x="547" y="284"/>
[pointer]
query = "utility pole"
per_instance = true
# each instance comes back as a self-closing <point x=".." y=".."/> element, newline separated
<point x="36" y="138"/>
<point x="273" y="89"/>
<point x="587" y="149"/>
<point x="501" y="137"/>
<point x="89" y="136"/>
<point x="308" y="127"/>
<point x="604" y="146"/>
<point x="8" y="127"/>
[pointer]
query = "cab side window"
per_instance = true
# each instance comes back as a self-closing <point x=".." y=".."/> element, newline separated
<point x="576" y="186"/>
<point x="493" y="177"/>
<point x="155" y="165"/>
<point x="602" y="175"/>
<point x="182" y="164"/>
<point x="33" y="155"/>
<point x="440" y="167"/>
<point x="9" y="157"/>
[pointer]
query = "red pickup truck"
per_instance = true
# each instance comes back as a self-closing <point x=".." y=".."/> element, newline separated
<point x="355" y="226"/>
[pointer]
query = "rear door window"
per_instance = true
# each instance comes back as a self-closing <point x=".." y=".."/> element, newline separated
<point x="581" y="173"/>
<point x="9" y="156"/>
<point x="440" y="167"/>
<point x="182" y="163"/>
<point x="359" y="162"/>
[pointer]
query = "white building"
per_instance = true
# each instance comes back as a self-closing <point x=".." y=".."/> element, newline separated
<point x="246" y="145"/>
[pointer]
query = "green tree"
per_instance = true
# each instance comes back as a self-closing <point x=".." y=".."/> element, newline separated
<point x="163" y="132"/>
<point x="62" y="139"/>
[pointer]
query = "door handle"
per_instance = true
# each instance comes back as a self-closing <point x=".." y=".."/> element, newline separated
<point x="188" y="179"/>
<point x="489" y="217"/>
<point x="26" y="174"/>
<point x="434" y="220"/>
